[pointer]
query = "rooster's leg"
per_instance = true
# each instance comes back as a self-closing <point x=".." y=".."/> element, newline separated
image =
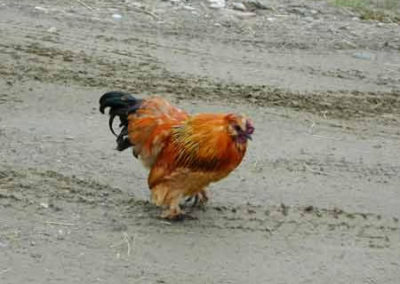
<point x="200" y="198"/>
<point x="164" y="196"/>
<point x="203" y="197"/>
<point x="175" y="213"/>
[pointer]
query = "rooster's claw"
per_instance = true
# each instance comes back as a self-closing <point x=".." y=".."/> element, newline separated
<point x="179" y="217"/>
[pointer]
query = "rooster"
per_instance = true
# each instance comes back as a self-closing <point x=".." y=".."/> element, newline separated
<point x="185" y="153"/>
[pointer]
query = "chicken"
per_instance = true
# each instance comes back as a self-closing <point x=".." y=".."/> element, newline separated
<point x="185" y="153"/>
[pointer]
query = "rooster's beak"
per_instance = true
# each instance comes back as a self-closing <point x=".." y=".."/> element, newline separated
<point x="248" y="136"/>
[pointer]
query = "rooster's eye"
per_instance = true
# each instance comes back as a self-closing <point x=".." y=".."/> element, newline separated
<point x="237" y="128"/>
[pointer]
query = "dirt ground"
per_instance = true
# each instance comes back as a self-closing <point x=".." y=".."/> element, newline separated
<point x="316" y="200"/>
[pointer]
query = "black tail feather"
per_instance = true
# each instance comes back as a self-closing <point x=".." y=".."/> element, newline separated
<point x="122" y="140"/>
<point x="121" y="104"/>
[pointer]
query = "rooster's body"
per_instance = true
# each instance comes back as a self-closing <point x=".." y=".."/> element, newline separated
<point x="184" y="153"/>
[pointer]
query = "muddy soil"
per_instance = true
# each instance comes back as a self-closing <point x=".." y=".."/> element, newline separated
<point x="316" y="199"/>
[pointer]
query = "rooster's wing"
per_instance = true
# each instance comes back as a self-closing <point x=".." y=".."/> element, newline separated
<point x="201" y="145"/>
<point x="150" y="126"/>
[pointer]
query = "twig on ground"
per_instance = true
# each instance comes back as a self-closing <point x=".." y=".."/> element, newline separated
<point x="59" y="223"/>
<point x="312" y="126"/>
<point x="326" y="137"/>
<point x="134" y="241"/>
<point x="126" y="238"/>
<point x="142" y="10"/>
<point x="84" y="4"/>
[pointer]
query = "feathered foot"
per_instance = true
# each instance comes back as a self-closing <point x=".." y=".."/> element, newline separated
<point x="173" y="216"/>
<point x="169" y="199"/>
<point x="173" y="213"/>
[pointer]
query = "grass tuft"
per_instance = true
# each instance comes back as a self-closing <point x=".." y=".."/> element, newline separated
<point x="378" y="10"/>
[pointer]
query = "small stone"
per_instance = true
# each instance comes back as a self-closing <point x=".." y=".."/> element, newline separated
<point x="239" y="6"/>
<point x="119" y="227"/>
<point x="298" y="11"/>
<point x="52" y="30"/>
<point x="363" y="55"/>
<point x="60" y="235"/>
<point x="255" y="5"/>
<point x="309" y="208"/>
<point x="44" y="205"/>
<point x="36" y="255"/>
<point x="309" y="19"/>
<point x="189" y="8"/>
<point x="45" y="10"/>
<point x="116" y="16"/>
<point x="217" y="4"/>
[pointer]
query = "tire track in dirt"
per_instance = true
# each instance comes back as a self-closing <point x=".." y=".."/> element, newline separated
<point x="329" y="166"/>
<point x="139" y="71"/>
<point x="138" y="77"/>
<point x="27" y="188"/>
